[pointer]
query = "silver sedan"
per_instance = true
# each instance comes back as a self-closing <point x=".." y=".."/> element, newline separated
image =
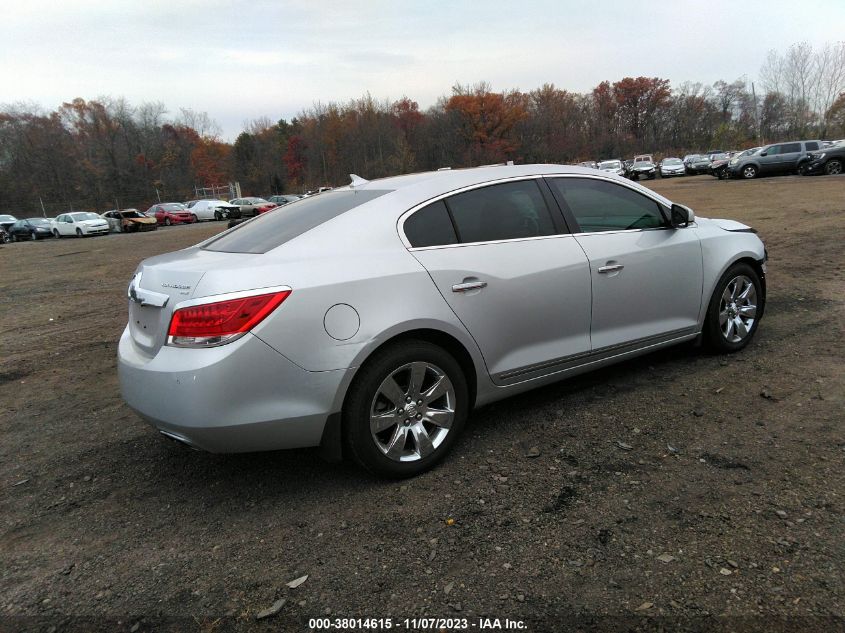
<point x="371" y="319"/>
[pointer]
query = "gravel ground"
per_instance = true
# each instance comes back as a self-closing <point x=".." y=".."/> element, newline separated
<point x="677" y="491"/>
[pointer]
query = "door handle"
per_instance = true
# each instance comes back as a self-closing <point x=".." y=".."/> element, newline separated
<point x="469" y="285"/>
<point x="610" y="269"/>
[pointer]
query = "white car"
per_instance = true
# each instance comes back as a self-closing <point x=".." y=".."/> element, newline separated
<point x="79" y="224"/>
<point x="214" y="209"/>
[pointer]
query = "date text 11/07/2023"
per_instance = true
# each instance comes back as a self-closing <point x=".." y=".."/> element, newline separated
<point x="416" y="624"/>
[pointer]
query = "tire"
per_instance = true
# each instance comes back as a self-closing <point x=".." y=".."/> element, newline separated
<point x="833" y="167"/>
<point x="802" y="169"/>
<point x="749" y="172"/>
<point x="217" y="216"/>
<point x="56" y="234"/>
<point x="194" y="218"/>
<point x="166" y="221"/>
<point x="395" y="451"/>
<point x="33" y="237"/>
<point x="735" y="309"/>
<point x="78" y="232"/>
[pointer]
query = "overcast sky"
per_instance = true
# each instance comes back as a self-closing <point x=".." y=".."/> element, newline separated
<point x="239" y="60"/>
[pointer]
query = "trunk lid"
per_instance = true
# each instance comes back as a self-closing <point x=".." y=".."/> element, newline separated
<point x="175" y="277"/>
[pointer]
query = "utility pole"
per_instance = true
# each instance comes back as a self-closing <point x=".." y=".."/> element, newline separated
<point x="43" y="210"/>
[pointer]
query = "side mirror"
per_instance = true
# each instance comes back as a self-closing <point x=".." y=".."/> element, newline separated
<point x="681" y="216"/>
<point x="764" y="153"/>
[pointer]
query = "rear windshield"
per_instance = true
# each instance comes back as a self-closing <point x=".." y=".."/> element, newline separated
<point x="284" y="223"/>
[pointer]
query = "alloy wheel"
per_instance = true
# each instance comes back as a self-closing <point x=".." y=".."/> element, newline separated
<point x="749" y="172"/>
<point x="833" y="168"/>
<point x="412" y="411"/>
<point x="737" y="309"/>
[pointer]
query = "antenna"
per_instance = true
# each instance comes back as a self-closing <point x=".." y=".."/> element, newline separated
<point x="357" y="181"/>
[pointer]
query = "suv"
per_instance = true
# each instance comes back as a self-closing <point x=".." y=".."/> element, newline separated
<point x="779" y="158"/>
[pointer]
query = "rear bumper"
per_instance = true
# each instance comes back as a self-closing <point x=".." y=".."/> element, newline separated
<point x="235" y="398"/>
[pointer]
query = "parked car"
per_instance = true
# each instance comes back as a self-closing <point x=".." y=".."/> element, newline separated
<point x="643" y="167"/>
<point x="672" y="167"/>
<point x="30" y="229"/>
<point x="168" y="213"/>
<point x="613" y="166"/>
<point x="215" y="210"/>
<point x="284" y="199"/>
<point x="251" y="207"/>
<point x="719" y="165"/>
<point x="6" y="221"/>
<point x="284" y="332"/>
<point x="698" y="164"/>
<point x="129" y="221"/>
<point x="828" y="161"/>
<point x="778" y="158"/>
<point x="79" y="224"/>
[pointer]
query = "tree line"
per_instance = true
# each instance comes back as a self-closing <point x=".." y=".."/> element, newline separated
<point x="103" y="153"/>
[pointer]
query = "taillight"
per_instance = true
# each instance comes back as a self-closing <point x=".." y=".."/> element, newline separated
<point x="219" y="322"/>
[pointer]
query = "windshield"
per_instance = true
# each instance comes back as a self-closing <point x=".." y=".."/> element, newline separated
<point x="174" y="206"/>
<point x="610" y="164"/>
<point x="7" y="218"/>
<point x="85" y="216"/>
<point x="284" y="223"/>
<point x="38" y="221"/>
<point x="132" y="214"/>
<point x="643" y="159"/>
<point x="702" y="159"/>
<point x="672" y="161"/>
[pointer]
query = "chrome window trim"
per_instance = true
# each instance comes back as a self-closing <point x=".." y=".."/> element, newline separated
<point x="226" y="296"/>
<point x="400" y="223"/>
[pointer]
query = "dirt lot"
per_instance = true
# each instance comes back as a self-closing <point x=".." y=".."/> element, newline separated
<point x="102" y="518"/>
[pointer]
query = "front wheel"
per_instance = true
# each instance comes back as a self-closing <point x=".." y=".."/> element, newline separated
<point x="749" y="172"/>
<point x="56" y="233"/>
<point x="217" y="216"/>
<point x="833" y="167"/>
<point x="78" y="232"/>
<point x="735" y="309"/>
<point x="33" y="236"/>
<point x="405" y="409"/>
<point x="166" y="221"/>
<point x="194" y="218"/>
<point x="802" y="169"/>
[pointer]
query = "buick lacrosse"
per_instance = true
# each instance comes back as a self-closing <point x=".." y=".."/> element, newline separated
<point x="370" y="319"/>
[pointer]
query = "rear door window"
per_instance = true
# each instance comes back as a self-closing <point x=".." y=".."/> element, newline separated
<point x="790" y="148"/>
<point x="507" y="211"/>
<point x="282" y="224"/>
<point x="430" y="226"/>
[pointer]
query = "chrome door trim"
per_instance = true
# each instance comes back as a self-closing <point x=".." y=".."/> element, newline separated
<point x="570" y="362"/>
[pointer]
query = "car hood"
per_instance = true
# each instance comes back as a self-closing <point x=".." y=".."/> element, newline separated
<point x="726" y="225"/>
<point x="100" y="222"/>
<point x="643" y="166"/>
<point x="678" y="167"/>
<point x="140" y="220"/>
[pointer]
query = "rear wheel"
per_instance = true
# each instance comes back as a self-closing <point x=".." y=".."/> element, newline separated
<point x="166" y="221"/>
<point x="833" y="167"/>
<point x="735" y="309"/>
<point x="405" y="409"/>
<point x="749" y="171"/>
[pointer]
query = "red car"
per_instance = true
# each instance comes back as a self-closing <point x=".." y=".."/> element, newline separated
<point x="168" y="213"/>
